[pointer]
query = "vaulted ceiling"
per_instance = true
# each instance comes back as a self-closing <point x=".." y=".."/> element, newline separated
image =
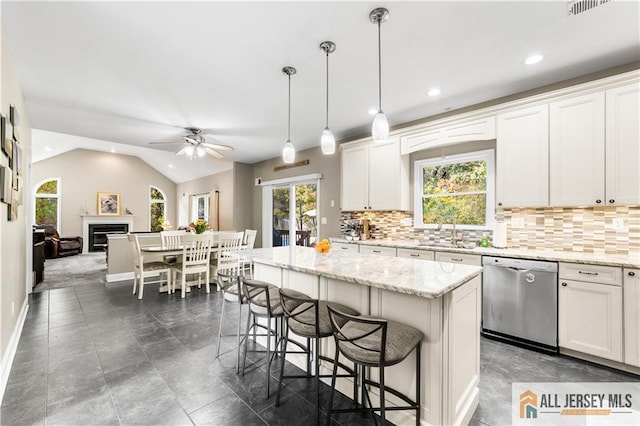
<point x="135" y="72"/>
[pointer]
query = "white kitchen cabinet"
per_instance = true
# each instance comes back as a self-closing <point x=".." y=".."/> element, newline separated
<point x="590" y="312"/>
<point x="345" y="247"/>
<point x="522" y="158"/>
<point x="632" y="317"/>
<point x="464" y="258"/>
<point x="374" y="176"/>
<point x="440" y="135"/>
<point x="416" y="254"/>
<point x="576" y="151"/>
<point x="384" y="251"/>
<point x="623" y="145"/>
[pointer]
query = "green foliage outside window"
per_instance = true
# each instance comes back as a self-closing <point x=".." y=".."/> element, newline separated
<point x="455" y="190"/>
<point x="157" y="206"/>
<point x="50" y="187"/>
<point x="46" y="203"/>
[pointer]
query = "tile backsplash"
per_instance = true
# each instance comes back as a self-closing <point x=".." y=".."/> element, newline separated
<point x="588" y="230"/>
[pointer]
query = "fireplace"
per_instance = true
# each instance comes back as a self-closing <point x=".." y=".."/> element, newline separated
<point x="98" y="234"/>
<point x="96" y="228"/>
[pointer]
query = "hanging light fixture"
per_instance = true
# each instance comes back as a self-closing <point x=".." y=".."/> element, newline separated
<point x="289" y="151"/>
<point x="327" y="140"/>
<point x="380" y="126"/>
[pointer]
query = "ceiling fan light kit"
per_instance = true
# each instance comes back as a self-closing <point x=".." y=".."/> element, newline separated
<point x="289" y="151"/>
<point x="327" y="140"/>
<point x="380" y="126"/>
<point x="195" y="145"/>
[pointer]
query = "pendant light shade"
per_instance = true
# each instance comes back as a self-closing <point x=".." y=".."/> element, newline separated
<point x="380" y="126"/>
<point x="289" y="151"/>
<point x="327" y="140"/>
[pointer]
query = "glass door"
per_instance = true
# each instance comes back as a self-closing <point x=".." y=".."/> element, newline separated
<point x="293" y="214"/>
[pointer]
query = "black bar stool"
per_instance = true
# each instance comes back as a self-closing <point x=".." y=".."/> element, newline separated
<point x="374" y="342"/>
<point x="264" y="302"/>
<point x="309" y="318"/>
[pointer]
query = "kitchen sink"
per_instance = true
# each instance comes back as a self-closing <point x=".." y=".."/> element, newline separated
<point x="448" y="245"/>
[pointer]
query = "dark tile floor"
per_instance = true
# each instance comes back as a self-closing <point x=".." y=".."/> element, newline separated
<point x="97" y="355"/>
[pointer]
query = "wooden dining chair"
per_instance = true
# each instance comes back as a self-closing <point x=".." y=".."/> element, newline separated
<point x="227" y="242"/>
<point x="142" y="269"/>
<point x="172" y="239"/>
<point x="196" y="253"/>
<point x="248" y="241"/>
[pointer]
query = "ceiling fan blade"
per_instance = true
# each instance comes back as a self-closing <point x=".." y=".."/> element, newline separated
<point x="212" y="152"/>
<point x="216" y="146"/>
<point x="183" y="151"/>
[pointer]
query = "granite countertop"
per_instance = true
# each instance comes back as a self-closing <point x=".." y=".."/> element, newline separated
<point x="627" y="261"/>
<point x="408" y="276"/>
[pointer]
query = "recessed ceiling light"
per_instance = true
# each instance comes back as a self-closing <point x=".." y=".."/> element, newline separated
<point x="533" y="59"/>
<point x="48" y="148"/>
<point x="171" y="166"/>
<point x="113" y="150"/>
<point x="373" y="111"/>
<point x="433" y="92"/>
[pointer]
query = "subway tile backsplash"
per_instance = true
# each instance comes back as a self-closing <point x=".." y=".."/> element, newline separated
<point x="588" y="230"/>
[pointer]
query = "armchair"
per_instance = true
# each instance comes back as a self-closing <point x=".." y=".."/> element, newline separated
<point x="57" y="246"/>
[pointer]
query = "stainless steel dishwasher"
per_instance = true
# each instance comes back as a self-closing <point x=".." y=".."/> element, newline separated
<point x="520" y="301"/>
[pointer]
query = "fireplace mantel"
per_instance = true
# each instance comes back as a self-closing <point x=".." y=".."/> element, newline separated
<point x="91" y="219"/>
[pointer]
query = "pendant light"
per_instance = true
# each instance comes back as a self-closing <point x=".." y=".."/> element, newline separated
<point x="380" y="126"/>
<point x="327" y="140"/>
<point x="289" y="151"/>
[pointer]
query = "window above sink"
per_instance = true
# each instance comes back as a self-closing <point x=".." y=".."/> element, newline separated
<point x="455" y="188"/>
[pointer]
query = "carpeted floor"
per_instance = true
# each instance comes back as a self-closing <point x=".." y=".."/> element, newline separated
<point x="82" y="269"/>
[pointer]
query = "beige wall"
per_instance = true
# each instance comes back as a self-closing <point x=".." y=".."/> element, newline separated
<point x="222" y="182"/>
<point x="14" y="249"/>
<point x="84" y="173"/>
<point x="328" y="165"/>
<point x="242" y="200"/>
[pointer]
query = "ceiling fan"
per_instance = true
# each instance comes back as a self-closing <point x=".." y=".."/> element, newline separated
<point x="195" y="146"/>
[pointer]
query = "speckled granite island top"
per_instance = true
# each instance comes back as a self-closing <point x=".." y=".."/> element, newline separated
<point x="408" y="276"/>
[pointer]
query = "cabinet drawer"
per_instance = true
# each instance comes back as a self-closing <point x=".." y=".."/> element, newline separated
<point x="466" y="259"/>
<point x="416" y="254"/>
<point x="385" y="251"/>
<point x="343" y="247"/>
<point x="592" y="273"/>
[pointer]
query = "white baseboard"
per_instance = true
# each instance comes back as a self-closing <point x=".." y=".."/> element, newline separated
<point x="10" y="353"/>
<point x="123" y="276"/>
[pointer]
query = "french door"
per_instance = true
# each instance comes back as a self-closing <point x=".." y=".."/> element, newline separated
<point x="290" y="213"/>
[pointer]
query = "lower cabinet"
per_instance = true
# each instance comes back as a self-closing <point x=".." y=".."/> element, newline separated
<point x="384" y="251"/>
<point x="344" y="247"/>
<point x="416" y="254"/>
<point x="632" y="317"/>
<point x="590" y="316"/>
<point x="465" y="259"/>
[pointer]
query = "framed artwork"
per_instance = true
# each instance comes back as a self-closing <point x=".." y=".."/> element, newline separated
<point x="3" y="126"/>
<point x="17" y="158"/>
<point x="12" y="211"/>
<point x="7" y="140"/>
<point x="5" y="184"/>
<point x="108" y="204"/>
<point x="13" y="115"/>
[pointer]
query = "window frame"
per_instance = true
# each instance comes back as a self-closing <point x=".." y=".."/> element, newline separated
<point x="194" y="206"/>
<point x="152" y="201"/>
<point x="57" y="196"/>
<point x="487" y="155"/>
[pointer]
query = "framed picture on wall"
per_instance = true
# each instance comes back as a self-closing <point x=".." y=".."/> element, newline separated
<point x="17" y="158"/>
<point x="7" y="140"/>
<point x="12" y="211"/>
<point x="3" y="126"/>
<point x="5" y="184"/>
<point x="108" y="203"/>
<point x="13" y="115"/>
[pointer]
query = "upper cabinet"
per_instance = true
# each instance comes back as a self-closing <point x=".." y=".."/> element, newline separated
<point x="522" y="158"/>
<point x="440" y="135"/>
<point x="623" y="145"/>
<point x="595" y="149"/>
<point x="576" y="160"/>
<point x="374" y="176"/>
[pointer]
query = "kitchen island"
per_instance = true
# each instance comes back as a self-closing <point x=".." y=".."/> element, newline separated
<point x="440" y="299"/>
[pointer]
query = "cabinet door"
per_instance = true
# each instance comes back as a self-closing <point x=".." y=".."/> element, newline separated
<point x="416" y="254"/>
<point x="345" y="247"/>
<point x="465" y="259"/>
<point x="590" y="318"/>
<point x="384" y="251"/>
<point x="477" y="130"/>
<point x="385" y="175"/>
<point x="522" y="169"/>
<point x="632" y="316"/>
<point x="576" y="151"/>
<point x="355" y="178"/>
<point x="623" y="146"/>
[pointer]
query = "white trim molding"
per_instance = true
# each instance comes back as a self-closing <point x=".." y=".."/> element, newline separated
<point x="10" y="353"/>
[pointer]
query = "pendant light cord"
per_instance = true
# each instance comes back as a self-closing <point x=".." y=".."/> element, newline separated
<point x="379" y="69"/>
<point x="289" y="118"/>
<point x="327" y="112"/>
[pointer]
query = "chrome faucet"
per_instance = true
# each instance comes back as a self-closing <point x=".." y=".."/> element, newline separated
<point x="454" y="237"/>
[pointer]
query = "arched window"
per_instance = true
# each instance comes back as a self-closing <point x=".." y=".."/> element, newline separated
<point x="47" y="204"/>
<point x="157" y="208"/>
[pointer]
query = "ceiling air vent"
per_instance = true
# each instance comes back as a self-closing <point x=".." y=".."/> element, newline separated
<point x="577" y="7"/>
